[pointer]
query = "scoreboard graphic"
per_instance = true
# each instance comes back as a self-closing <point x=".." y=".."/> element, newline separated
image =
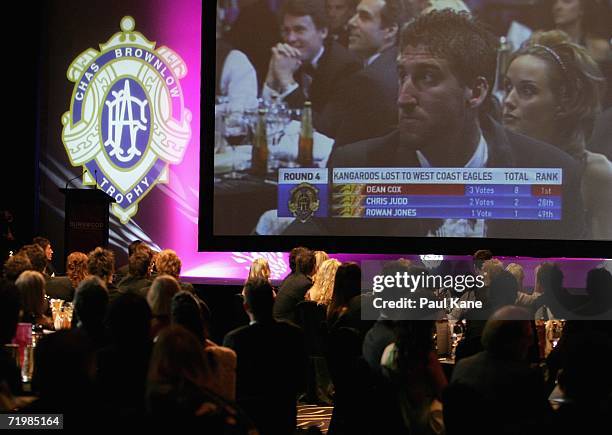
<point x="440" y="193"/>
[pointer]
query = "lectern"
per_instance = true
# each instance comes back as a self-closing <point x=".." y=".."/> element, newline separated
<point x="86" y="221"/>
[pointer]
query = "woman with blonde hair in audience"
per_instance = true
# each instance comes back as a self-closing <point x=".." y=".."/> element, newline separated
<point x="260" y="269"/>
<point x="554" y="90"/>
<point x="323" y="287"/>
<point x="159" y="297"/>
<point x="320" y="258"/>
<point x="31" y="285"/>
<point x="76" y="268"/>
<point x="491" y="269"/>
<point x="518" y="273"/>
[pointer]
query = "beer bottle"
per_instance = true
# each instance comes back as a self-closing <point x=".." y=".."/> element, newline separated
<point x="306" y="141"/>
<point x="259" y="154"/>
<point x="504" y="51"/>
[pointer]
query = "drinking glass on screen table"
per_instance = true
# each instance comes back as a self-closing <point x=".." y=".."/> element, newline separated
<point x="277" y="120"/>
<point x="235" y="132"/>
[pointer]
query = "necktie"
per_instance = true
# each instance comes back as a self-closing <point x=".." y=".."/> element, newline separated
<point x="305" y="76"/>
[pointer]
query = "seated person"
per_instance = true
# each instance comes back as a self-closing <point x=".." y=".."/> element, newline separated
<point x="101" y="263"/>
<point x="501" y="374"/>
<point x="31" y="285"/>
<point x="446" y="67"/>
<point x="303" y="67"/>
<point x="15" y="265"/>
<point x="63" y="287"/>
<point x="159" y="297"/>
<point x="365" y="104"/>
<point x="45" y="244"/>
<point x="259" y="269"/>
<point x="271" y="362"/>
<point x="10" y="375"/>
<point x="339" y="13"/>
<point x="66" y="384"/>
<point x="293" y="289"/>
<point x="235" y="76"/>
<point x="168" y="263"/>
<point x="587" y="23"/>
<point x="191" y="312"/>
<point x="566" y="117"/>
<point x="36" y="255"/>
<point x="138" y="279"/>
<point x="323" y="285"/>
<point x="178" y="388"/>
<point x="122" y="271"/>
<point x="123" y="364"/>
<point x="90" y="304"/>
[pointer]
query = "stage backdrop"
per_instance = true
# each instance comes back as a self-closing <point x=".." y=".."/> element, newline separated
<point x="119" y="107"/>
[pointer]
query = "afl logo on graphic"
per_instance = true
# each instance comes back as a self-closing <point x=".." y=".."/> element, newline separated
<point x="127" y="120"/>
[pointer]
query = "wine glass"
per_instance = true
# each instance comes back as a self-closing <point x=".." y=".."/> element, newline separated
<point x="235" y="132"/>
<point x="278" y="118"/>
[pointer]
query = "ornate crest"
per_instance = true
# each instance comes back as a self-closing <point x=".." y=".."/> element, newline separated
<point x="127" y="120"/>
<point x="303" y="201"/>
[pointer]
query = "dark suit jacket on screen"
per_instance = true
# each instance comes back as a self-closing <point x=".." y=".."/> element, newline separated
<point x="366" y="105"/>
<point x="334" y="67"/>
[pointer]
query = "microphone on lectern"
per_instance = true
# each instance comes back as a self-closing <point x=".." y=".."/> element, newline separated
<point x="74" y="178"/>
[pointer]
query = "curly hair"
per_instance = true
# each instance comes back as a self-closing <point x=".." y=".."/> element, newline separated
<point x="43" y="242"/>
<point x="15" y="265"/>
<point x="76" y="268"/>
<point x="322" y="289"/>
<point x="320" y="257"/>
<point x="101" y="262"/>
<point x="576" y="82"/>
<point x="168" y="263"/>
<point x="465" y="43"/>
<point x="259" y="269"/>
<point x="37" y="257"/>
<point x="139" y="262"/>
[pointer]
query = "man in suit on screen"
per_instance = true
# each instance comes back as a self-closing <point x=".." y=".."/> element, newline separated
<point x="304" y="67"/>
<point x="446" y="69"/>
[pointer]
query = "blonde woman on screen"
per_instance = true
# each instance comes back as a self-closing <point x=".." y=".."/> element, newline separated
<point x="554" y="90"/>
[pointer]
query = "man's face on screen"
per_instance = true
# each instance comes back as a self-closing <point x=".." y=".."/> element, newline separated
<point x="432" y="103"/>
<point x="301" y="33"/>
<point x="367" y="34"/>
<point x="566" y="12"/>
<point x="339" y="12"/>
